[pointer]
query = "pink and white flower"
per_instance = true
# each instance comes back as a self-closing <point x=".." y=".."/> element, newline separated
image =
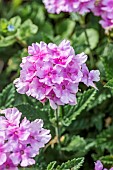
<point x="99" y="166"/>
<point x="90" y="77"/>
<point x="54" y="72"/>
<point x="104" y="8"/>
<point x="20" y="141"/>
<point x="57" y="6"/>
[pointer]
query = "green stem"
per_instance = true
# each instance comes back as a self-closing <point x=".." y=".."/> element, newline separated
<point x="91" y="54"/>
<point x="83" y="25"/>
<point x="57" y="129"/>
<point x="21" y="42"/>
<point x="2" y="7"/>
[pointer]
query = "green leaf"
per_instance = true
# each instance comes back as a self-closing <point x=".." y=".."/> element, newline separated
<point x="81" y="43"/>
<point x="47" y="28"/>
<point x="7" y="41"/>
<point x="3" y="25"/>
<point x="38" y="13"/>
<point x="32" y="113"/>
<point x="108" y="159"/>
<point x="104" y="140"/>
<point x="93" y="37"/>
<point x="83" y="101"/>
<point x="107" y="60"/>
<point x="51" y="165"/>
<point x="101" y="96"/>
<point x="74" y="163"/>
<point x="77" y="143"/>
<point x="15" y="21"/>
<point x="47" y="38"/>
<point x="27" y="29"/>
<point x="109" y="84"/>
<point x="28" y="111"/>
<point x="65" y="27"/>
<point x="7" y="97"/>
<point x="16" y="3"/>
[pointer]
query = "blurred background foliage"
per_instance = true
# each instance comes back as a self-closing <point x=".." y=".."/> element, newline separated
<point x="86" y="129"/>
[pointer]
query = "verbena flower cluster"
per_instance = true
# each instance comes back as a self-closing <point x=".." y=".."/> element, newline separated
<point x="20" y="141"/>
<point x="99" y="166"/>
<point x="54" y="72"/>
<point x="57" y="6"/>
<point x="103" y="8"/>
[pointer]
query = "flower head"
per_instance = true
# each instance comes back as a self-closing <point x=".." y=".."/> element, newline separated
<point x="57" y="6"/>
<point x="54" y="72"/>
<point x="104" y="8"/>
<point x="20" y="141"/>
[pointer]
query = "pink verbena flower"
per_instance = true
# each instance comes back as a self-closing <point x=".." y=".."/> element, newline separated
<point x="11" y="118"/>
<point x="3" y="156"/>
<point x="104" y="8"/>
<point x="57" y="6"/>
<point x="23" y="155"/>
<point x="89" y="77"/>
<point x="20" y="141"/>
<point x="99" y="166"/>
<point x="53" y="73"/>
<point x="8" y="165"/>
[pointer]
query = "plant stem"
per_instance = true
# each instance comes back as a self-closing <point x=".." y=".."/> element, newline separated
<point x="83" y="25"/>
<point x="91" y="55"/>
<point x="2" y="7"/>
<point x="21" y="42"/>
<point x="57" y="130"/>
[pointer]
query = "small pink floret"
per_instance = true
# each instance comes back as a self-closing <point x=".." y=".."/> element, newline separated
<point x="99" y="166"/>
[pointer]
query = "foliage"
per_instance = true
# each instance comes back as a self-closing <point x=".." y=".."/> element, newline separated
<point x="74" y="164"/>
<point x="109" y="84"/>
<point x="7" y="97"/>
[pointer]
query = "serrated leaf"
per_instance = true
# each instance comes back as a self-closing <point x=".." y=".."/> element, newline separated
<point x="7" y="96"/>
<point x="74" y="163"/>
<point x="77" y="143"/>
<point x="82" y="103"/>
<point x="28" y="111"/>
<point x="104" y="140"/>
<point x="109" y="84"/>
<point x="101" y="96"/>
<point x="51" y="165"/>
<point x="33" y="113"/>
<point x="107" y="60"/>
<point x="107" y="159"/>
<point x="84" y="100"/>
